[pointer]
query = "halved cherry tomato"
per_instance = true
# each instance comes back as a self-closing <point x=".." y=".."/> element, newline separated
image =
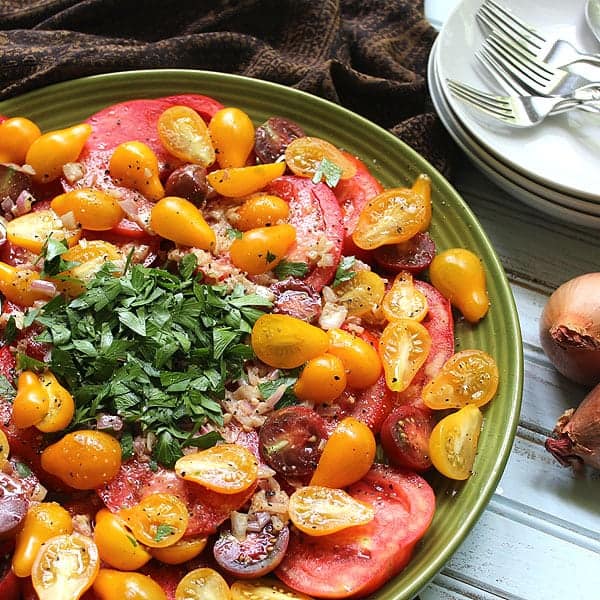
<point x="92" y="209"/>
<point x="291" y="440"/>
<point x="31" y="403"/>
<point x="225" y="468"/>
<point x="453" y="442"/>
<point x="317" y="510"/>
<point x="405" y="437"/>
<point x="179" y="552"/>
<point x="323" y="379"/>
<point x="159" y="520"/>
<point x="185" y="135"/>
<point x="237" y="182"/>
<point x="110" y="584"/>
<point x="468" y="377"/>
<point x="263" y="589"/>
<point x="51" y="151"/>
<point x="232" y="133"/>
<point x="304" y="155"/>
<point x="261" y="210"/>
<point x="116" y="544"/>
<point x="16" y="136"/>
<point x="178" y="220"/>
<point x="360" y="359"/>
<point x="422" y="186"/>
<point x="285" y="342"/>
<point x="394" y="216"/>
<point x="361" y="295"/>
<point x="347" y="456"/>
<point x="61" y="406"/>
<point x="84" y="459"/>
<point x="203" y="584"/>
<point x="403" y="300"/>
<point x="358" y="560"/>
<point x="459" y="275"/>
<point x="403" y="347"/>
<point x="32" y="230"/>
<point x="261" y="249"/>
<point x="414" y="255"/>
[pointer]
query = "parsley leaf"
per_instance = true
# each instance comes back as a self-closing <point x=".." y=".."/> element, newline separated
<point x="290" y="269"/>
<point x="270" y="256"/>
<point x="344" y="271"/>
<point x="10" y="331"/>
<point x="52" y="251"/>
<point x="126" y="442"/>
<point x="163" y="532"/>
<point x="7" y="390"/>
<point x="26" y="363"/>
<point x="328" y="171"/>
<point x="268" y="388"/>
<point x="234" y="234"/>
<point x="23" y="471"/>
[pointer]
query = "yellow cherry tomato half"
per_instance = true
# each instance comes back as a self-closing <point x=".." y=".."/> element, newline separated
<point x="232" y="133"/>
<point x="467" y="377"/>
<point x="65" y="567"/>
<point x="422" y="186"/>
<point x="361" y="361"/>
<point x="261" y="210"/>
<point x="51" y="151"/>
<point x="4" y="449"/>
<point x="285" y="342"/>
<point x="393" y="216"/>
<point x="304" y="156"/>
<point x="181" y="551"/>
<point x="237" y="182"/>
<point x="262" y="249"/>
<point x="116" y="544"/>
<point x="203" y="584"/>
<point x="265" y="588"/>
<point x="111" y="584"/>
<point x="403" y="300"/>
<point x="459" y="275"/>
<point x="31" y="403"/>
<point x="317" y="510"/>
<point x="16" y="136"/>
<point x="32" y="230"/>
<point x="362" y="294"/>
<point x="134" y="165"/>
<point x="225" y="468"/>
<point x="158" y="520"/>
<point x="93" y="209"/>
<point x="180" y="221"/>
<point x="185" y="135"/>
<point x="453" y="442"/>
<point x="85" y="459"/>
<point x="42" y="522"/>
<point x="322" y="380"/>
<point x="61" y="406"/>
<point x="16" y="285"/>
<point x="404" y="346"/>
<point x="348" y="455"/>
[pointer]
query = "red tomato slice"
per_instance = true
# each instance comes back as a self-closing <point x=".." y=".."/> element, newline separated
<point x="316" y="215"/>
<point x="352" y="195"/>
<point x="440" y="325"/>
<point x="358" y="560"/>
<point x="167" y="576"/>
<point x="7" y="363"/>
<point x="10" y="584"/>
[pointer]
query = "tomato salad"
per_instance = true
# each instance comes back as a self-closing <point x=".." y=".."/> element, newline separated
<point x="209" y="329"/>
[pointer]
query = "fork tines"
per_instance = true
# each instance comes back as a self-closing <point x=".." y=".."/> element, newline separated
<point x="494" y="105"/>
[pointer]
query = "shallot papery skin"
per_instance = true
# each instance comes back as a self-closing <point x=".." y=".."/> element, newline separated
<point x="577" y="434"/>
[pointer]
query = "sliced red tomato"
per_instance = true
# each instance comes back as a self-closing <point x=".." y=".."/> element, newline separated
<point x="7" y="363"/>
<point x="358" y="560"/>
<point x="167" y="576"/>
<point x="316" y="215"/>
<point x="352" y="195"/>
<point x="440" y="325"/>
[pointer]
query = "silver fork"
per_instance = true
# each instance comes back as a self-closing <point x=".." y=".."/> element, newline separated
<point x="517" y="111"/>
<point x="555" y="51"/>
<point x="537" y="76"/>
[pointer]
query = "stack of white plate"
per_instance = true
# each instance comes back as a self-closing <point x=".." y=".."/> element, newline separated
<point x="554" y="167"/>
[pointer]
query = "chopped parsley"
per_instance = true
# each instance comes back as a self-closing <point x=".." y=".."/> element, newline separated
<point x="270" y="256"/>
<point x="51" y="253"/>
<point x="163" y="532"/>
<point x="7" y="390"/>
<point x="290" y="269"/>
<point x="345" y="270"/>
<point x="23" y="471"/>
<point x="10" y="331"/>
<point x="153" y="347"/>
<point x="234" y="234"/>
<point x="268" y="388"/>
<point x="329" y="172"/>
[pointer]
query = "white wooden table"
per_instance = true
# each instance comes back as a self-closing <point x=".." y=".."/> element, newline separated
<point x="539" y="538"/>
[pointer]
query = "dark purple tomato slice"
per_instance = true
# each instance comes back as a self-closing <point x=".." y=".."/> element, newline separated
<point x="414" y="256"/>
<point x="256" y="555"/>
<point x="291" y="440"/>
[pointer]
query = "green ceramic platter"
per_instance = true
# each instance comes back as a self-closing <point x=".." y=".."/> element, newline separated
<point x="459" y="504"/>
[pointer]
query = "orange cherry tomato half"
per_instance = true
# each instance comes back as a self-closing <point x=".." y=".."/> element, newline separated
<point x="304" y="155"/>
<point x="467" y="377"/>
<point x="111" y="584"/>
<point x="261" y="210"/>
<point x="322" y="380"/>
<point x="232" y="133"/>
<point x="453" y="442"/>
<point x="237" y="182"/>
<point x="404" y="346"/>
<point x="15" y="284"/>
<point x="61" y="406"/>
<point x="158" y="520"/>
<point x="393" y="216"/>
<point x="16" y="136"/>
<point x="285" y="342"/>
<point x="4" y="449"/>
<point x="225" y="468"/>
<point x="93" y="209"/>
<point x="65" y="567"/>
<point x="185" y="135"/>
<point x="317" y="510"/>
<point x="203" y="584"/>
<point x="347" y="456"/>
<point x="31" y="403"/>
<point x="265" y="588"/>
<point x="362" y="294"/>
<point x="422" y="186"/>
<point x="181" y="551"/>
<point x="403" y="300"/>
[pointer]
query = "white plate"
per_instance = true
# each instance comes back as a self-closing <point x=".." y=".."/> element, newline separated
<point x="564" y="152"/>
<point x="488" y="165"/>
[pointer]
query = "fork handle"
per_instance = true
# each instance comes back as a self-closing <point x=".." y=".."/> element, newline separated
<point x="592" y="59"/>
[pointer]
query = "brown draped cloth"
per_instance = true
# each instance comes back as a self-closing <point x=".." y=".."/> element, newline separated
<point x="367" y="55"/>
